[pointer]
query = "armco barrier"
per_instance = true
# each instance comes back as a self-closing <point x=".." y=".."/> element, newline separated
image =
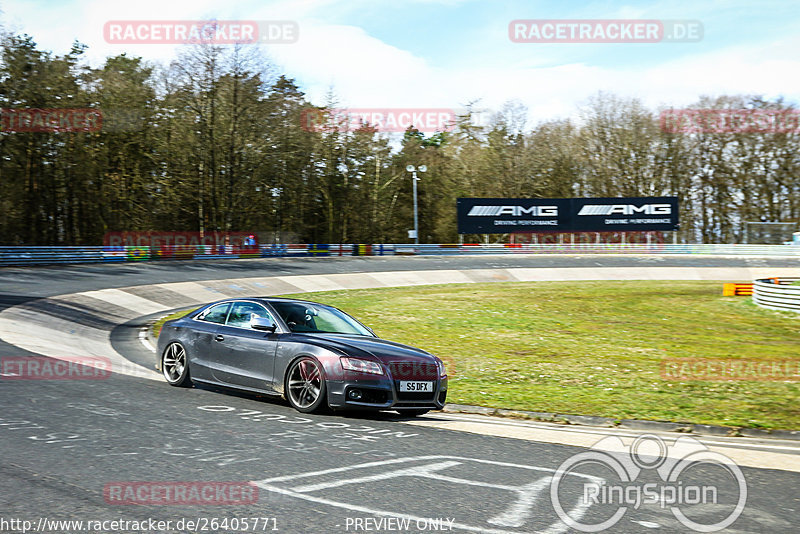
<point x="50" y="255"/>
<point x="10" y="256"/>
<point x="777" y="293"/>
<point x="599" y="248"/>
<point x="21" y="256"/>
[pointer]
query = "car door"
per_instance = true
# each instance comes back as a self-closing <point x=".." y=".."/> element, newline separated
<point x="201" y="346"/>
<point x="243" y="356"/>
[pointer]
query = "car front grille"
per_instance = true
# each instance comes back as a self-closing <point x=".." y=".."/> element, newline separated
<point x="415" y="396"/>
<point x="413" y="371"/>
<point x="369" y="395"/>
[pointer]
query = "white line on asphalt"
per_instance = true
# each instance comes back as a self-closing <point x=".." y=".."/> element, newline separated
<point x="518" y="513"/>
<point x="418" y="471"/>
<point x="146" y="342"/>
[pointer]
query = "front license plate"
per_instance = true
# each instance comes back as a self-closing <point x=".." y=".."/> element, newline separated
<point x="407" y="385"/>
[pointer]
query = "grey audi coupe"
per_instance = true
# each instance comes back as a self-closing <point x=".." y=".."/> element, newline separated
<point x="316" y="356"/>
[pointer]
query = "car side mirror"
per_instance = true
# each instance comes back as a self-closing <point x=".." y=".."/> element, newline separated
<point x="263" y="324"/>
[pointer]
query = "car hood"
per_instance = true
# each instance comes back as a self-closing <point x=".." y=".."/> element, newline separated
<point x="386" y="351"/>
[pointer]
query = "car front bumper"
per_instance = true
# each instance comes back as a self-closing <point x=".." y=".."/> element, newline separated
<point x="383" y="393"/>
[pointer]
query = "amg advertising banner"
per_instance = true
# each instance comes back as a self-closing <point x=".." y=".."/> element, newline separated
<point x="511" y="215"/>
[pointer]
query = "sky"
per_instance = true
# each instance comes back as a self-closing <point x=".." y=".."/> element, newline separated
<point x="448" y="53"/>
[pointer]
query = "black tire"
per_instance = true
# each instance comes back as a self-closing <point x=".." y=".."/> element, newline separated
<point x="175" y="365"/>
<point x="413" y="413"/>
<point x="304" y="386"/>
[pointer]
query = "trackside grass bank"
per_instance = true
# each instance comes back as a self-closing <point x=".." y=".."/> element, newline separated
<point x="592" y="348"/>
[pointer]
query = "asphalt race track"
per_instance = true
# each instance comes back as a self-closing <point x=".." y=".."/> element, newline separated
<point x="71" y="449"/>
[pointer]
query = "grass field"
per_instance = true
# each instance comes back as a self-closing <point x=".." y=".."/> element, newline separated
<point x="591" y="348"/>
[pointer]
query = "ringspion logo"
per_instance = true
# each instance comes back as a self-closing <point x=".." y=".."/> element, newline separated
<point x="683" y="477"/>
<point x="605" y="31"/>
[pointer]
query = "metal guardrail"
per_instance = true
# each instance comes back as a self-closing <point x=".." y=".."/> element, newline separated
<point x="21" y="256"/>
<point x="777" y="293"/>
<point x="601" y="248"/>
<point x="50" y="255"/>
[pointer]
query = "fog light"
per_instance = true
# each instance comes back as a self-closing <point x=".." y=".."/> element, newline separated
<point x="355" y="394"/>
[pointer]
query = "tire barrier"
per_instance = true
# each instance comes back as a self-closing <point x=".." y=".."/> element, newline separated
<point x="21" y="256"/>
<point x="777" y="293"/>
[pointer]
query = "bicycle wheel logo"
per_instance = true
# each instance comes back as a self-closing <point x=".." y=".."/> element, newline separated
<point x="683" y="471"/>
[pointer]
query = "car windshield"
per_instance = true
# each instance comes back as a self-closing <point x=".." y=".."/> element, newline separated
<point x="313" y="318"/>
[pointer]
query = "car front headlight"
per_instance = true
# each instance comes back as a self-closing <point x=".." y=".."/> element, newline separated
<point x="361" y="366"/>
<point x="440" y="367"/>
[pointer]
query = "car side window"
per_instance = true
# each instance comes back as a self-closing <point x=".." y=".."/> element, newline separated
<point x="242" y="312"/>
<point x="295" y="316"/>
<point x="215" y="314"/>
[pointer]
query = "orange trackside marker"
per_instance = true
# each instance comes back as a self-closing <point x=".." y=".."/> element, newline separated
<point x="728" y="290"/>
<point x="737" y="289"/>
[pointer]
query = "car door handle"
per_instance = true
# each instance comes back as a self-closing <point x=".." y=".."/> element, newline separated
<point x="219" y="337"/>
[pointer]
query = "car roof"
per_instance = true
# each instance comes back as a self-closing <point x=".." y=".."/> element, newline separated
<point x="284" y="299"/>
<point x="269" y="300"/>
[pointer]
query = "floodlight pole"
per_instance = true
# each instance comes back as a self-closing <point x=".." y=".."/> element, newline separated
<point x="416" y="217"/>
<point x="413" y="171"/>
